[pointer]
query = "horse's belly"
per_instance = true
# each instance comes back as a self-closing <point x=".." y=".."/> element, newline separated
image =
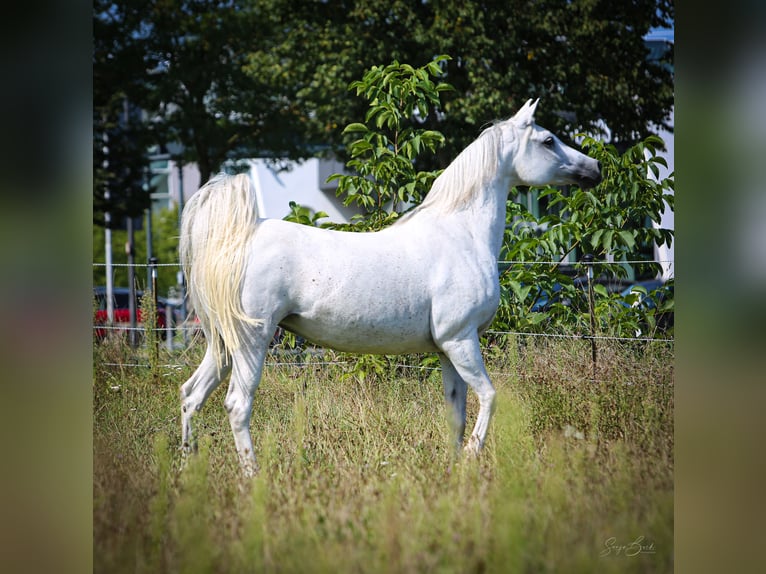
<point x="364" y="336"/>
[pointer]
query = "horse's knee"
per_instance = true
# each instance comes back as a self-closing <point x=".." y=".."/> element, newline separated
<point x="239" y="411"/>
<point x="487" y="396"/>
<point x="187" y="412"/>
<point x="187" y="389"/>
<point x="230" y="405"/>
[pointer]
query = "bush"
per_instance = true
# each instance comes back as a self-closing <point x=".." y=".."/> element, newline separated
<point x="612" y="222"/>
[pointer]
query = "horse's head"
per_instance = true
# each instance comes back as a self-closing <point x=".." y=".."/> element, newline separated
<point x="535" y="156"/>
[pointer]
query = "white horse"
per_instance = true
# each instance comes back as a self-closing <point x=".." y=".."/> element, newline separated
<point x="428" y="283"/>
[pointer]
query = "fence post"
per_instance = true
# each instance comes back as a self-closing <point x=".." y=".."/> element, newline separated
<point x="132" y="307"/>
<point x="587" y="259"/>
<point x="153" y="274"/>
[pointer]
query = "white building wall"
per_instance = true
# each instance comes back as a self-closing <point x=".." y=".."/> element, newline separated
<point x="303" y="183"/>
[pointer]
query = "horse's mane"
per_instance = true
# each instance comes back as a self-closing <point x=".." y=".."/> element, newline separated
<point x="467" y="173"/>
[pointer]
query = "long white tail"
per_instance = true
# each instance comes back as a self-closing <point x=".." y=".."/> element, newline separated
<point x="216" y="225"/>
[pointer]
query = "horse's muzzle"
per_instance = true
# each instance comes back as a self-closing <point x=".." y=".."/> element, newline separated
<point x="590" y="178"/>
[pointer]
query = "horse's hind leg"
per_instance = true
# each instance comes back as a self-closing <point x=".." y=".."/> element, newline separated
<point x="465" y="356"/>
<point x="245" y="378"/>
<point x="455" y="390"/>
<point x="196" y="391"/>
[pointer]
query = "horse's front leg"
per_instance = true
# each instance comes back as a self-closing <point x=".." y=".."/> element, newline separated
<point x="195" y="392"/>
<point x="455" y="391"/>
<point x="465" y="356"/>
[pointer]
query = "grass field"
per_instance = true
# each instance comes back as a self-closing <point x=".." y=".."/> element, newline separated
<point x="358" y="473"/>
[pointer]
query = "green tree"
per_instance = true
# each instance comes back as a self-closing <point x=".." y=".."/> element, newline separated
<point x="585" y="59"/>
<point x="384" y="148"/>
<point x="238" y="78"/>
<point x="324" y="46"/>
<point x="183" y="63"/>
<point x="120" y="144"/>
<point x="120" y="136"/>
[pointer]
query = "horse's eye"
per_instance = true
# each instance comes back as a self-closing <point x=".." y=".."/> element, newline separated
<point x="548" y="142"/>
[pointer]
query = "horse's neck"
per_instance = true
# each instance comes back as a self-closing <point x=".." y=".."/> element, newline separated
<point x="486" y="215"/>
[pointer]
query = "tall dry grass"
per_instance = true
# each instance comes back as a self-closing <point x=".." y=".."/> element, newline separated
<point x="358" y="473"/>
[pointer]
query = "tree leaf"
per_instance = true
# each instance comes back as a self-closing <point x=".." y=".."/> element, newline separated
<point x="356" y="127"/>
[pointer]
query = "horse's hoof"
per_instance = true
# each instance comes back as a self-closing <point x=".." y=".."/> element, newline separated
<point x="250" y="469"/>
<point x="473" y="447"/>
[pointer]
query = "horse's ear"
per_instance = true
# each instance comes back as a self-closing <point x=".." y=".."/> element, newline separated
<point x="526" y="115"/>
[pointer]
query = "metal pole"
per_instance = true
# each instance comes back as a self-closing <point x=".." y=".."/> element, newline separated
<point x="180" y="277"/>
<point x="109" y="267"/>
<point x="149" y="243"/>
<point x="149" y="247"/>
<point x="108" y="242"/>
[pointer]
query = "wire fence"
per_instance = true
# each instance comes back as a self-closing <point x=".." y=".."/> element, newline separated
<point x="180" y="334"/>
<point x="500" y="261"/>
<point x="316" y="358"/>
<point x="316" y="361"/>
<point x="275" y="360"/>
